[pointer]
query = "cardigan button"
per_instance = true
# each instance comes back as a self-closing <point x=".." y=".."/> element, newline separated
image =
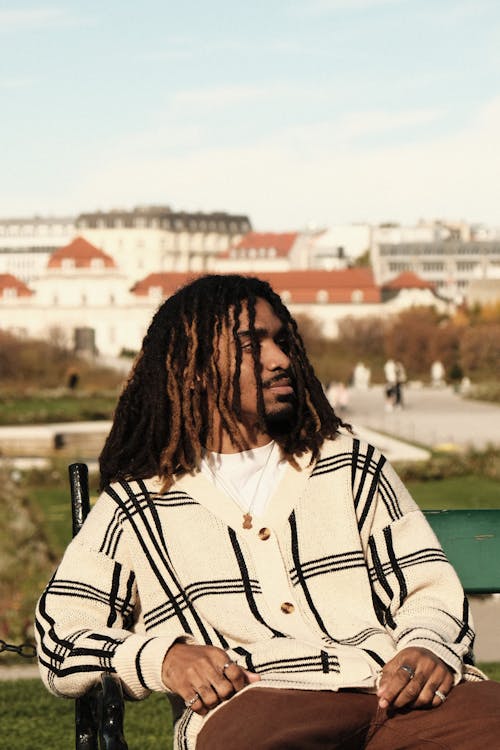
<point x="287" y="608"/>
<point x="264" y="534"/>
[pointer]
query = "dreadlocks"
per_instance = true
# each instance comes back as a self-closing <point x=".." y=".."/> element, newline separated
<point x="182" y="376"/>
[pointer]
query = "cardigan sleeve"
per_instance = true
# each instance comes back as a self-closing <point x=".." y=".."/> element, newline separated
<point x="417" y="593"/>
<point x="88" y="619"/>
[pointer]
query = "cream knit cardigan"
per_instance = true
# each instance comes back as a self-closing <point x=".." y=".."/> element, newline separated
<point x="342" y="547"/>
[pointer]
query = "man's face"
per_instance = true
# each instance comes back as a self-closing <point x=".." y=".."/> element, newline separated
<point x="277" y="387"/>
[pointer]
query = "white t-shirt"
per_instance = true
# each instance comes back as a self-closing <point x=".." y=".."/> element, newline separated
<point x="248" y="477"/>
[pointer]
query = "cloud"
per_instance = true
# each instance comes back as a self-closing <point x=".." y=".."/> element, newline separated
<point x="308" y="174"/>
<point x="321" y="6"/>
<point x="224" y="96"/>
<point x="16" y="83"/>
<point x="15" y="19"/>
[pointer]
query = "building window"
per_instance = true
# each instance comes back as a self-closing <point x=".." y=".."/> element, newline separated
<point x="322" y="296"/>
<point x="357" y="296"/>
<point x="430" y="266"/>
<point x="9" y="292"/>
<point x="67" y="263"/>
<point x="96" y="263"/>
<point x="286" y="296"/>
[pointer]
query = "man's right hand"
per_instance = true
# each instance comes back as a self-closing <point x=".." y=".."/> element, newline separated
<point x="205" y="673"/>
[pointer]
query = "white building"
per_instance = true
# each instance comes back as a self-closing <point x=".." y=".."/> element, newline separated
<point x="311" y="249"/>
<point x="155" y="238"/>
<point x="27" y="243"/>
<point x="447" y="256"/>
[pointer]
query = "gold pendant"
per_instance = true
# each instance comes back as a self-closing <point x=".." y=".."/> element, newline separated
<point x="247" y="521"/>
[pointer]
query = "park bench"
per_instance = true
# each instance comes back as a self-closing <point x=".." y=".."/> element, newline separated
<point x="470" y="539"/>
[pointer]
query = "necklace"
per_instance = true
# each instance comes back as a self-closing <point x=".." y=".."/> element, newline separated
<point x="219" y="481"/>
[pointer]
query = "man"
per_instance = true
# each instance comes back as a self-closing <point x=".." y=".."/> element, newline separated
<point x="252" y="559"/>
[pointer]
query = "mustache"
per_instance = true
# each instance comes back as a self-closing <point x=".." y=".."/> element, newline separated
<point x="282" y="377"/>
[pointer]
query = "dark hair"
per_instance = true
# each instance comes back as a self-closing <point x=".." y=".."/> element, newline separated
<point x="163" y="415"/>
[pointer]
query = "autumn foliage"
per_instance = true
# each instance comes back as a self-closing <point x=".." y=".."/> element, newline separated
<point x="468" y="344"/>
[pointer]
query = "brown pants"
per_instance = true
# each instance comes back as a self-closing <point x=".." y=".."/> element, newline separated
<point x="272" y="719"/>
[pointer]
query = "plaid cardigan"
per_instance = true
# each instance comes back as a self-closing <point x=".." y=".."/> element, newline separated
<point x="339" y="574"/>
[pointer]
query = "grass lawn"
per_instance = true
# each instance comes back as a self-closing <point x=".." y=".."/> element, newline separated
<point x="456" y="492"/>
<point x="30" y="717"/>
<point x="38" y="409"/>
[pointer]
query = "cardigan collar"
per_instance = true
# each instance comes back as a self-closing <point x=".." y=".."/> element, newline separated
<point x="281" y="503"/>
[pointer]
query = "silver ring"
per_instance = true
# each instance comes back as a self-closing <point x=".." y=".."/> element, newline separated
<point x="409" y="670"/>
<point x="226" y="665"/>
<point x="192" y="700"/>
<point x="440" y="695"/>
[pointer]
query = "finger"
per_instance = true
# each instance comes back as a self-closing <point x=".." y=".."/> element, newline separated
<point x="393" y="682"/>
<point x="440" y="680"/>
<point x="440" y="696"/>
<point x="208" y="694"/>
<point x="411" y="691"/>
<point x="195" y="704"/>
<point x="235" y="675"/>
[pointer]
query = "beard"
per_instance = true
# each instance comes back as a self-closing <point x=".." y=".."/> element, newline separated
<point x="281" y="419"/>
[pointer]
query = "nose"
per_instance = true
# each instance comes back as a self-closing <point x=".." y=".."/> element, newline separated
<point x="275" y="358"/>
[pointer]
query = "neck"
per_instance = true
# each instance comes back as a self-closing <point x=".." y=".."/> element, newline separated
<point x="221" y="442"/>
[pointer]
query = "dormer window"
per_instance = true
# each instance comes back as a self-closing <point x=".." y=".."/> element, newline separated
<point x="322" y="296"/>
<point x="97" y="263"/>
<point x="68" y="263"/>
<point x="357" y="296"/>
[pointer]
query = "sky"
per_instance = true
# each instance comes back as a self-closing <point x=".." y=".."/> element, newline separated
<point x="294" y="112"/>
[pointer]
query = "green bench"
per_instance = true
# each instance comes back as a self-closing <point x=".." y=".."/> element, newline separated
<point x="470" y="539"/>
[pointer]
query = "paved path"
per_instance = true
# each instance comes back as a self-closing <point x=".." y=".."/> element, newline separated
<point x="430" y="417"/>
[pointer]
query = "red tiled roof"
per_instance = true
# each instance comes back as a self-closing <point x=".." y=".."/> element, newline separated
<point x="281" y="242"/>
<point x="408" y="280"/>
<point x="8" y="281"/>
<point x="301" y="286"/>
<point x="82" y="253"/>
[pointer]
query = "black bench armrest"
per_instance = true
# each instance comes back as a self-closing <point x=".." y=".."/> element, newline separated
<point x="99" y="716"/>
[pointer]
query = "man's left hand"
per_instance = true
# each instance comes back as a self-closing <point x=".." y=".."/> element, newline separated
<point x="414" y="678"/>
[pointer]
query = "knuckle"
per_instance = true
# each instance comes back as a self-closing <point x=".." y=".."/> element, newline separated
<point x="413" y="689"/>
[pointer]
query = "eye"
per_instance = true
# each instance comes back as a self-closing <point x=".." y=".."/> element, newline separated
<point x="283" y="343"/>
<point x="246" y="346"/>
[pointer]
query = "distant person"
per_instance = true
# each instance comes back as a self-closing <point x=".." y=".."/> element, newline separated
<point x="73" y="378"/>
<point x="255" y="561"/>
<point x="338" y="396"/>
<point x="361" y="376"/>
<point x="390" y="384"/>
<point x="400" y="373"/>
<point x="437" y="374"/>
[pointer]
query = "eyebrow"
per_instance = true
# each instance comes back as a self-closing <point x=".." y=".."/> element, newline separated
<point x="259" y="332"/>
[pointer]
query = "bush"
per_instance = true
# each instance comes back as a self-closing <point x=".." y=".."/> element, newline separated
<point x="30" y="364"/>
<point x="26" y="560"/>
<point x="445" y="465"/>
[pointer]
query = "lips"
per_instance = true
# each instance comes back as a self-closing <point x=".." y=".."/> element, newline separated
<point x="283" y="385"/>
